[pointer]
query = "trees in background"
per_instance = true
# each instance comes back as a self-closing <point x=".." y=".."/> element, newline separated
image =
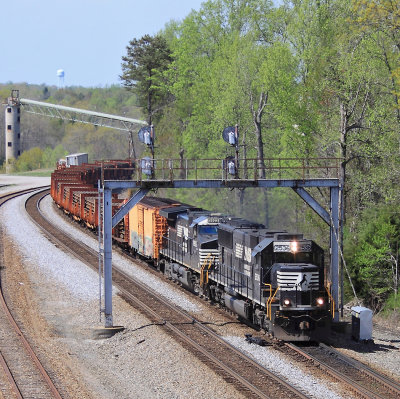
<point x="36" y="158"/>
<point x="311" y="78"/>
<point x="49" y="134"/>
<point x="143" y="66"/>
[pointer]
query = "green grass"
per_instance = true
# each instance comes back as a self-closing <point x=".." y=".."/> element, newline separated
<point x="35" y="173"/>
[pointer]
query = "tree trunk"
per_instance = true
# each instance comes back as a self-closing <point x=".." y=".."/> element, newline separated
<point x="257" y="118"/>
<point x="182" y="174"/>
<point x="149" y="101"/>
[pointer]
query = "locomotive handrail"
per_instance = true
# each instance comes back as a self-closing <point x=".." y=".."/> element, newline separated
<point x="331" y="300"/>
<point x="269" y="303"/>
<point x="270" y="291"/>
<point x="210" y="259"/>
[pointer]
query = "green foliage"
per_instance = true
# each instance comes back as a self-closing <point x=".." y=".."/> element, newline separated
<point x="42" y="132"/>
<point x="374" y="255"/>
<point x="392" y="305"/>
<point x="35" y="158"/>
<point x="142" y="72"/>
<point x="50" y="157"/>
<point x="310" y="78"/>
<point x="29" y="160"/>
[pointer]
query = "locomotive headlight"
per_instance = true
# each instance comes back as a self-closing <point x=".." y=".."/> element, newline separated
<point x="286" y="302"/>
<point x="320" y="301"/>
<point x="294" y="246"/>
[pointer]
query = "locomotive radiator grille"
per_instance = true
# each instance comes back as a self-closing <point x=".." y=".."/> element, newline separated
<point x="298" y="281"/>
<point x="203" y="253"/>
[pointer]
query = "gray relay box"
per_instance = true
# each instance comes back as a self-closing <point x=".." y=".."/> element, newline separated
<point x="361" y="323"/>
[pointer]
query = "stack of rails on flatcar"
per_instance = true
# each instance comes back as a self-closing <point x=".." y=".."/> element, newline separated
<point x="74" y="189"/>
<point x="272" y="279"/>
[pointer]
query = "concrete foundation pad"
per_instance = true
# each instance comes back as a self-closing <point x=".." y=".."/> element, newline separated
<point x="342" y="327"/>
<point x="106" y="332"/>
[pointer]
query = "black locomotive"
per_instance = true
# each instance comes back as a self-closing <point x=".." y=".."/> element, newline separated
<point x="271" y="279"/>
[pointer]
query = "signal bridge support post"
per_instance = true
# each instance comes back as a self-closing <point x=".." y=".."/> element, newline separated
<point x="108" y="223"/>
<point x="334" y="244"/>
<point x="107" y="245"/>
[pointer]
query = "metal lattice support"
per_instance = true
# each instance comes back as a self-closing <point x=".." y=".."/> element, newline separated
<point x="80" y="115"/>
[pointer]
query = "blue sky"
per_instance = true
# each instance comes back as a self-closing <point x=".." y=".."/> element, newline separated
<point x="85" y="38"/>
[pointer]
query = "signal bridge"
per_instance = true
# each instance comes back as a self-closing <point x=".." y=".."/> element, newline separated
<point x="297" y="174"/>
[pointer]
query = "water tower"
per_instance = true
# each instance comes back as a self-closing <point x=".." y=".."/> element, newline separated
<point x="12" y="134"/>
<point x="60" y="74"/>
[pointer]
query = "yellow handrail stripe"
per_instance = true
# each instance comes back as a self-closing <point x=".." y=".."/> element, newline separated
<point x="270" y="303"/>
<point x="332" y="301"/>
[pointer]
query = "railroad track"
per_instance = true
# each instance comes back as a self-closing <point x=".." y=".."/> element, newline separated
<point x="246" y="375"/>
<point x="25" y="375"/>
<point x="359" y="378"/>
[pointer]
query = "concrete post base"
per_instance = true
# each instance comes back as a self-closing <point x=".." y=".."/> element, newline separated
<point x="106" y="332"/>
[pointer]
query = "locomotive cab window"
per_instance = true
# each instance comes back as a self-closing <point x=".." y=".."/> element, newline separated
<point x="288" y="257"/>
<point x="208" y="230"/>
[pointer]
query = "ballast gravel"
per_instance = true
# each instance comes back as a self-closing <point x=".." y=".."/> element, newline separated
<point x="142" y="361"/>
<point x="269" y="359"/>
<point x="162" y="288"/>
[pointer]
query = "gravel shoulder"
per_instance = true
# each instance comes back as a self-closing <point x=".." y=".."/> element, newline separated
<point x="56" y="299"/>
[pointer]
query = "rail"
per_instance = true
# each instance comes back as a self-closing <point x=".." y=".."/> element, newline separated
<point x="247" y="375"/>
<point x="362" y="381"/>
<point x="22" y="359"/>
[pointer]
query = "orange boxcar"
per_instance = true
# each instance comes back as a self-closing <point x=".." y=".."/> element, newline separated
<point x="147" y="227"/>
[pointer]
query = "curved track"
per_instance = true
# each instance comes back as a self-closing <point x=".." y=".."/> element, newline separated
<point x="359" y="378"/>
<point x="26" y="376"/>
<point x="246" y="375"/>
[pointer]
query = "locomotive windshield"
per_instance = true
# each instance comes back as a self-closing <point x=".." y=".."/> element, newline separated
<point x="208" y="230"/>
<point x="299" y="257"/>
<point x="303" y="251"/>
